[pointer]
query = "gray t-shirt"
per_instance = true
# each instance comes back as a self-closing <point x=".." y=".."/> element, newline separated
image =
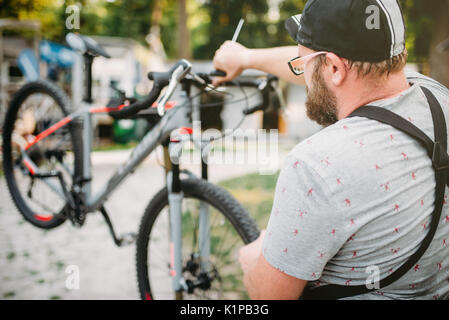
<point x="359" y="195"/>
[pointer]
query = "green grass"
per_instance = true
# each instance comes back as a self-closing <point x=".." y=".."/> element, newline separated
<point x="255" y="192"/>
<point x="59" y="265"/>
<point x="252" y="181"/>
<point x="116" y="146"/>
<point x="9" y="294"/>
<point x="11" y="255"/>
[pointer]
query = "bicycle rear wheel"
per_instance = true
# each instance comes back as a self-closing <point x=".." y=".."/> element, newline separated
<point x="34" y="108"/>
<point x="230" y="228"/>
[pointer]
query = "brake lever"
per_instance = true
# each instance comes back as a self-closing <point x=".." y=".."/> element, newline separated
<point x="198" y="79"/>
<point x="262" y="85"/>
<point x="178" y="74"/>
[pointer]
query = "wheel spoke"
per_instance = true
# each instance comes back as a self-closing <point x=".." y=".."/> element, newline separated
<point x="39" y="105"/>
<point x="225" y="275"/>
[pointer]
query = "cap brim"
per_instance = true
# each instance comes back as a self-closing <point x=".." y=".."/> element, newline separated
<point x="292" y="25"/>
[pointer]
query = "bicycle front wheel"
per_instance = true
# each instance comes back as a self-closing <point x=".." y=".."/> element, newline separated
<point x="230" y="227"/>
<point x="34" y="108"/>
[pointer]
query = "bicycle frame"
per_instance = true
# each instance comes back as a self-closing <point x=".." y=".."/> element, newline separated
<point x="174" y="118"/>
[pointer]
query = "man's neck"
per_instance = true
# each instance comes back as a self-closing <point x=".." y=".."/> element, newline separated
<point x="364" y="92"/>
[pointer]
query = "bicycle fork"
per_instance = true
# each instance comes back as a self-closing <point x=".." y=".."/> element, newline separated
<point x="175" y="199"/>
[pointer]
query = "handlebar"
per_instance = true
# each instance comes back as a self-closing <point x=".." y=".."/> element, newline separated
<point x="161" y="80"/>
<point x="140" y="105"/>
<point x="181" y="72"/>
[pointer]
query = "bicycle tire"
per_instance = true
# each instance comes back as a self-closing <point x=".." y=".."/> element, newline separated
<point x="62" y="104"/>
<point x="201" y="190"/>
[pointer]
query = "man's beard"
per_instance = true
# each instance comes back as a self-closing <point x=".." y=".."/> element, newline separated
<point x="321" y="103"/>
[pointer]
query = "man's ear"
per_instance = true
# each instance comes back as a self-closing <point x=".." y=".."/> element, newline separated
<point x="337" y="69"/>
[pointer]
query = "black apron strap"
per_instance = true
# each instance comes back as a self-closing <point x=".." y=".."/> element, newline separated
<point x="440" y="160"/>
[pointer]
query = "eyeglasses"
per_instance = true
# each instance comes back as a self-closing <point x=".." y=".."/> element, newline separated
<point x="297" y="65"/>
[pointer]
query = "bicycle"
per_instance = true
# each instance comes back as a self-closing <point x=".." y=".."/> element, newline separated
<point x="52" y="151"/>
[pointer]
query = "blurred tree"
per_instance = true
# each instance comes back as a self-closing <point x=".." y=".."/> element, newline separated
<point x="198" y="27"/>
<point x="439" y="61"/>
<point x="198" y="23"/>
<point x="184" y="49"/>
<point x="42" y="10"/>
<point x="428" y="25"/>
<point x="168" y="26"/>
<point x="287" y="8"/>
<point x="224" y="18"/>
<point x="127" y="18"/>
<point x="14" y="8"/>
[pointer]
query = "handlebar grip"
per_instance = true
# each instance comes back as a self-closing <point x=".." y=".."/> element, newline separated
<point x="139" y="105"/>
<point x="218" y="73"/>
<point x="161" y="79"/>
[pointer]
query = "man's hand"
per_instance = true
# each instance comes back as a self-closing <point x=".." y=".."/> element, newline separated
<point x="231" y="58"/>
<point x="263" y="281"/>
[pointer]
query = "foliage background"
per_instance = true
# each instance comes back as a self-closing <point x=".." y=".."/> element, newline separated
<point x="210" y="22"/>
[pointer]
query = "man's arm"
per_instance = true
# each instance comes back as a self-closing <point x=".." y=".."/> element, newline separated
<point x="233" y="58"/>
<point x="264" y="282"/>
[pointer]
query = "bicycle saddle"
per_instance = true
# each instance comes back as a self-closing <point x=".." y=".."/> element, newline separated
<point x="85" y="45"/>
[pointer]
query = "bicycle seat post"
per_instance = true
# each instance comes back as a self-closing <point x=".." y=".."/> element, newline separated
<point x="88" y="59"/>
<point x="77" y="80"/>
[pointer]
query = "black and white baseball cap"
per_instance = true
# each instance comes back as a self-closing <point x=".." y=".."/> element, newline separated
<point x="358" y="30"/>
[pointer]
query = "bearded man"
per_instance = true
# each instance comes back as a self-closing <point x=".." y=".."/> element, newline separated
<point x="354" y="202"/>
